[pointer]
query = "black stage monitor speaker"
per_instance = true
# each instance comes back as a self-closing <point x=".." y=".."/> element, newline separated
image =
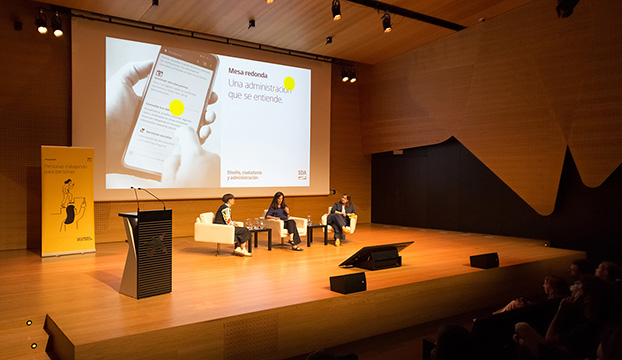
<point x="346" y="284"/>
<point x="485" y="261"/>
<point x="377" y="257"/>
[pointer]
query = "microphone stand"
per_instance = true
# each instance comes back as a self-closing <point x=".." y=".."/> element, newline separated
<point x="137" y="203"/>
<point x="148" y="192"/>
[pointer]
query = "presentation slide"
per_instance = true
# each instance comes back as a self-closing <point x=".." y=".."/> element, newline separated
<point x="196" y="119"/>
<point x="202" y="119"/>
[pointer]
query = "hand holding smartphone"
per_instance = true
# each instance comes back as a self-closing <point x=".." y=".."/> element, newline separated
<point x="176" y="94"/>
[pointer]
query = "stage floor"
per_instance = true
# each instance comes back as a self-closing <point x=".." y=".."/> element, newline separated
<point x="274" y="305"/>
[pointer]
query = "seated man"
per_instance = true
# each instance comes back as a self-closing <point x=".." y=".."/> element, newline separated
<point x="242" y="235"/>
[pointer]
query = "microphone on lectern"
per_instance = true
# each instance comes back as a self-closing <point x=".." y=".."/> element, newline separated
<point x="136" y="194"/>
<point x="148" y="192"/>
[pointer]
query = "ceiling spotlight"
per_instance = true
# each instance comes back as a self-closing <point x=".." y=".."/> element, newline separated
<point x="329" y="40"/>
<point x="386" y="22"/>
<point x="348" y="73"/>
<point x="41" y="22"/>
<point x="336" y="10"/>
<point x="269" y="1"/>
<point x="345" y="76"/>
<point x="57" y="27"/>
<point x="251" y="23"/>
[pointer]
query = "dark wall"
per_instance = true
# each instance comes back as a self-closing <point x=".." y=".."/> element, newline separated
<point x="445" y="186"/>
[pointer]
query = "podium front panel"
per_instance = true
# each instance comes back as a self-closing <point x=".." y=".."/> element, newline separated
<point x="154" y="252"/>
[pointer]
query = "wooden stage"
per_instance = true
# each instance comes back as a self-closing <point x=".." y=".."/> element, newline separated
<point x="274" y="305"/>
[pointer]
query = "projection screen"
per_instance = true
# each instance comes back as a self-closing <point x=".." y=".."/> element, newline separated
<point x="195" y="118"/>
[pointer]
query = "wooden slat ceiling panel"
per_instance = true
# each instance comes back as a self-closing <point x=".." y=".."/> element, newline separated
<point x="303" y="25"/>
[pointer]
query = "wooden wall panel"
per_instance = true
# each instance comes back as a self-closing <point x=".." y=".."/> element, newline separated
<point x="516" y="90"/>
<point x="34" y="111"/>
<point x="350" y="169"/>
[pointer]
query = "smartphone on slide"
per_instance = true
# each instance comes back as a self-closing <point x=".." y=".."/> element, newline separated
<point x="176" y="94"/>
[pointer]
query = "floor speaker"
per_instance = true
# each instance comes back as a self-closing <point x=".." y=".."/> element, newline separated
<point x="485" y="261"/>
<point x="347" y="284"/>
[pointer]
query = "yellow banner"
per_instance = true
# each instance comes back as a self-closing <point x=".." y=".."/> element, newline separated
<point x="67" y="214"/>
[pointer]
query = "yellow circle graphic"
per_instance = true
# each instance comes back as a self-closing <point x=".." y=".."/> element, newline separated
<point x="176" y="107"/>
<point x="289" y="83"/>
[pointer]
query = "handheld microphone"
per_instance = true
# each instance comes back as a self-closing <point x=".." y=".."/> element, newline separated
<point x="137" y="203"/>
<point x="148" y="192"/>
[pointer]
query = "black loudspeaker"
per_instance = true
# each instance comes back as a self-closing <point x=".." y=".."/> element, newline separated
<point x="485" y="261"/>
<point x="347" y="284"/>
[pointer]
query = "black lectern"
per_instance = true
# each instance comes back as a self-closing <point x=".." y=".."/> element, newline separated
<point x="148" y="266"/>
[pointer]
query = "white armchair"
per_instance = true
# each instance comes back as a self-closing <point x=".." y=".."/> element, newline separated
<point x="330" y="228"/>
<point x="278" y="226"/>
<point x="206" y="231"/>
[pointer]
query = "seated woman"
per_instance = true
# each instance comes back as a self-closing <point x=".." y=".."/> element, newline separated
<point x="554" y="287"/>
<point x="279" y="211"/>
<point x="242" y="235"/>
<point x="339" y="218"/>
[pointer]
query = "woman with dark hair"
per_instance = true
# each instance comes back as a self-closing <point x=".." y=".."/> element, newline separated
<point x="278" y="210"/>
<point x="339" y="218"/>
<point x="242" y="235"/>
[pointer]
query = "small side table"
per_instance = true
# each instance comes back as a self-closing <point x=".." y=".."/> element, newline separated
<point x="256" y="231"/>
<point x="310" y="228"/>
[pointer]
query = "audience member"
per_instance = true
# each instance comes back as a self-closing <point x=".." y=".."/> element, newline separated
<point x="608" y="271"/>
<point x="610" y="347"/>
<point x="575" y="330"/>
<point x="554" y="287"/>
<point x="580" y="267"/>
<point x="454" y="343"/>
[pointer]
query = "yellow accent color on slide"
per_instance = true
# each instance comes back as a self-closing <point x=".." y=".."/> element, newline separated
<point x="176" y="107"/>
<point x="289" y="83"/>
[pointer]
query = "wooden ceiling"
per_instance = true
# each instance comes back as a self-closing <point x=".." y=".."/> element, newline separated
<point x="303" y="25"/>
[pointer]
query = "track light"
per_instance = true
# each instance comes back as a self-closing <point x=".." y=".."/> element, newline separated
<point x="57" y="27"/>
<point x="348" y="73"/>
<point x="386" y="22"/>
<point x="336" y="10"/>
<point x="344" y="74"/>
<point x="41" y="22"/>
